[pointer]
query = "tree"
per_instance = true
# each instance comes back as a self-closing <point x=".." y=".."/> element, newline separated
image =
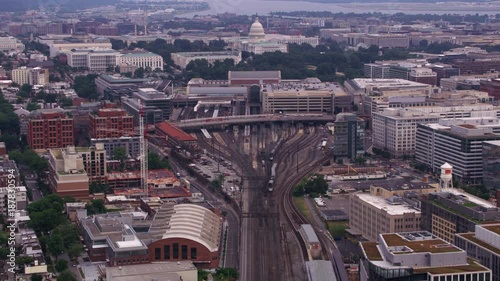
<point x="32" y="106"/>
<point x="360" y="160"/>
<point x="157" y="162"/>
<point x="61" y="265"/>
<point x="36" y="277"/>
<point x="74" y="250"/>
<point x="25" y="91"/>
<point x="85" y="86"/>
<point x="96" y="207"/>
<point x="139" y="73"/>
<point x="46" y="213"/>
<point x="66" y="276"/>
<point x="56" y="246"/>
<point x="226" y="274"/>
<point x="120" y="154"/>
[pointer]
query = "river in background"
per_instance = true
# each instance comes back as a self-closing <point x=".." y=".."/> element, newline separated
<point x="262" y="7"/>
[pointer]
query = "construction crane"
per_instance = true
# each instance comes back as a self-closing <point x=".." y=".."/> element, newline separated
<point x="143" y="151"/>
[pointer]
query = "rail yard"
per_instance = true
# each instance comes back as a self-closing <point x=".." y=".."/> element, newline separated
<point x="271" y="159"/>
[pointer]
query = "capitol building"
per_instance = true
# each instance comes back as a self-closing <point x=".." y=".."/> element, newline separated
<point x="259" y="42"/>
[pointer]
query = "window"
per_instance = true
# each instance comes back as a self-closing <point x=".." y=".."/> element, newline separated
<point x="194" y="254"/>
<point x="166" y="252"/>
<point x="157" y="253"/>
<point x="184" y="252"/>
<point x="175" y="247"/>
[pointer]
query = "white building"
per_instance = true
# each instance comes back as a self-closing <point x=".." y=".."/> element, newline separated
<point x="57" y="47"/>
<point x="394" y="130"/>
<point x="95" y="59"/>
<point x="458" y="142"/>
<point x="259" y="42"/>
<point x="143" y="59"/>
<point x="21" y="199"/>
<point x="31" y="76"/>
<point x="308" y="95"/>
<point x="184" y="58"/>
<point x="10" y="43"/>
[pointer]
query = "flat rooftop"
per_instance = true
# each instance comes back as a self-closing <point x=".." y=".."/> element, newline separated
<point x="387" y="83"/>
<point x="469" y="197"/>
<point x="382" y="204"/>
<point x="208" y="54"/>
<point x="419" y="242"/>
<point x="152" y="268"/>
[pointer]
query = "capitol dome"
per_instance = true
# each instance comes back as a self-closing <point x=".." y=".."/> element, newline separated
<point x="256" y="30"/>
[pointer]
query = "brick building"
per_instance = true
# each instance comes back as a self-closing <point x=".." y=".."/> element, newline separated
<point x="111" y="123"/>
<point x="174" y="135"/>
<point x="491" y="86"/>
<point x="177" y="232"/>
<point x="476" y="66"/>
<point x="50" y="129"/>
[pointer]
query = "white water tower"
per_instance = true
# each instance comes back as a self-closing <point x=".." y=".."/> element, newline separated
<point x="446" y="179"/>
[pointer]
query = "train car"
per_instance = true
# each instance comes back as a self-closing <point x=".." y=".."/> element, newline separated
<point x="273" y="152"/>
<point x="273" y="170"/>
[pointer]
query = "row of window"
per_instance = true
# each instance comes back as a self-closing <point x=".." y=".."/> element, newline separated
<point x="173" y="253"/>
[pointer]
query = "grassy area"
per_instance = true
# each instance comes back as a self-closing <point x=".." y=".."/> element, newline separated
<point x="302" y="206"/>
<point x="337" y="228"/>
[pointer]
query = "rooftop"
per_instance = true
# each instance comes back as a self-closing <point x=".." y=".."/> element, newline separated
<point x="138" y="271"/>
<point x="387" y="83"/>
<point x="274" y="74"/>
<point x="141" y="54"/>
<point x="423" y="242"/>
<point x="397" y="208"/>
<point x="210" y="54"/>
<point x="122" y="79"/>
<point x="174" y="132"/>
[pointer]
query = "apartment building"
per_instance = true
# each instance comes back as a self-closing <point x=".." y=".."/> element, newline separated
<point x="131" y="145"/>
<point x="111" y="123"/>
<point x="458" y="142"/>
<point x="348" y="136"/>
<point x="20" y="199"/>
<point x="8" y="172"/>
<point x="451" y="210"/>
<point x="142" y="59"/>
<point x="394" y="129"/>
<point x="184" y="58"/>
<point x="417" y="255"/>
<point x="94" y="162"/>
<point x="308" y="95"/>
<point x="483" y="245"/>
<point x="93" y="59"/>
<point x="67" y="174"/>
<point x="31" y="76"/>
<point x="50" y="129"/>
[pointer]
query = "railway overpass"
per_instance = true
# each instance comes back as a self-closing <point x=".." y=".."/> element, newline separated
<point x="251" y="119"/>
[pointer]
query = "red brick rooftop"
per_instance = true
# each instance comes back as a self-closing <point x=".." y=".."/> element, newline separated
<point x="173" y="132"/>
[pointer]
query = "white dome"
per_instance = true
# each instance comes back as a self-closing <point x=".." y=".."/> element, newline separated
<point x="256" y="30"/>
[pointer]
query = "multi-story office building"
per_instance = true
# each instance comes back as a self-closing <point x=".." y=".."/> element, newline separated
<point x="105" y="83"/>
<point x="444" y="71"/>
<point x="483" y="245"/>
<point x="152" y="114"/>
<point x="477" y="66"/>
<point x="94" y="162"/>
<point x="492" y="86"/>
<point x="491" y="164"/>
<point x="152" y="98"/>
<point x="253" y="77"/>
<point x="131" y="145"/>
<point x="21" y="75"/>
<point x="394" y="130"/>
<point x="371" y="215"/>
<point x="10" y="43"/>
<point x="7" y="198"/>
<point x="423" y="75"/>
<point x="184" y="58"/>
<point x="451" y="211"/>
<point x="309" y="95"/>
<point x="111" y="123"/>
<point x="50" y="129"/>
<point x="142" y="59"/>
<point x="348" y="136"/>
<point x="466" y="82"/>
<point x="417" y="256"/>
<point x="458" y="142"/>
<point x="93" y="59"/>
<point x="59" y="47"/>
<point x="377" y="70"/>
<point x="67" y="175"/>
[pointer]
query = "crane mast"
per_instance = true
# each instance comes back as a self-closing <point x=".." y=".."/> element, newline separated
<point x="143" y="150"/>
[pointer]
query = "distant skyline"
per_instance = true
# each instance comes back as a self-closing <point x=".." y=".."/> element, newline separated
<point x="265" y="7"/>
